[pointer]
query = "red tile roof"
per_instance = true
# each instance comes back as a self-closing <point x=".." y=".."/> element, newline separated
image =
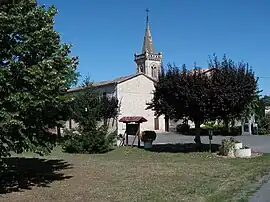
<point x="108" y="82"/>
<point x="137" y="119"/>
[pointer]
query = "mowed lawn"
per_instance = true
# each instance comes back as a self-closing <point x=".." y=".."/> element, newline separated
<point x="130" y="174"/>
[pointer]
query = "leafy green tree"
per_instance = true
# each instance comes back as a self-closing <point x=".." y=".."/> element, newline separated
<point x="89" y="109"/>
<point x="234" y="89"/>
<point x="163" y="102"/>
<point x="183" y="94"/>
<point x="36" y="70"/>
<point x="197" y="96"/>
<point x="109" y="109"/>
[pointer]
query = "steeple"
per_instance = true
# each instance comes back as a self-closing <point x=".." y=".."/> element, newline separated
<point x="148" y="43"/>
<point x="148" y="62"/>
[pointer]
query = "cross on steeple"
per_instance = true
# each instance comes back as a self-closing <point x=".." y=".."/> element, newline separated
<point x="147" y="11"/>
<point x="148" y="62"/>
<point x="147" y="43"/>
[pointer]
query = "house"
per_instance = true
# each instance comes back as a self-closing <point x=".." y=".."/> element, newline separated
<point x="134" y="91"/>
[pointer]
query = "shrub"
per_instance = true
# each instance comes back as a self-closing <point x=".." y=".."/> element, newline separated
<point x="222" y="130"/>
<point x="148" y="135"/>
<point x="183" y="128"/>
<point x="227" y="146"/>
<point x="264" y="125"/>
<point x="236" y="130"/>
<point x="96" y="141"/>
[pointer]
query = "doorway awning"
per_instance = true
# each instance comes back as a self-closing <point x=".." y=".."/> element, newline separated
<point x="136" y="119"/>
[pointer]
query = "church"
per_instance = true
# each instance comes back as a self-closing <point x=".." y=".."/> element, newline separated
<point x="134" y="91"/>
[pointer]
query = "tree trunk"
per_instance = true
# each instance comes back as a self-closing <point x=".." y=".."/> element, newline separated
<point x="242" y="127"/>
<point x="226" y="122"/>
<point x="249" y="127"/>
<point x="58" y="130"/>
<point x="105" y="122"/>
<point x="198" y="131"/>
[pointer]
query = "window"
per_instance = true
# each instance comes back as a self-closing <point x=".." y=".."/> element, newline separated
<point x="142" y="69"/>
<point x="153" y="71"/>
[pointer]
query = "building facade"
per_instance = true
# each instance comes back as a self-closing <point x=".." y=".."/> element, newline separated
<point x="134" y="91"/>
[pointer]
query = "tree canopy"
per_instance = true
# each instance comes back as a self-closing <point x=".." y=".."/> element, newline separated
<point x="92" y="111"/>
<point x="182" y="94"/>
<point x="223" y="91"/>
<point x="234" y="89"/>
<point x="36" y="70"/>
<point x="89" y="108"/>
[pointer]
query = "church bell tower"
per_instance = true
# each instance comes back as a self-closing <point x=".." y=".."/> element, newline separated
<point x="148" y="62"/>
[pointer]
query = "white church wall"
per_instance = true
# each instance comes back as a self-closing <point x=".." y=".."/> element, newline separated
<point x="110" y="90"/>
<point x="133" y="95"/>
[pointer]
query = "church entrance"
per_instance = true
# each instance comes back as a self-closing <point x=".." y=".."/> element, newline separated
<point x="156" y="123"/>
<point x="167" y="124"/>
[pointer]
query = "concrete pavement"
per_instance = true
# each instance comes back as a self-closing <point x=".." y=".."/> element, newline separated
<point x="256" y="143"/>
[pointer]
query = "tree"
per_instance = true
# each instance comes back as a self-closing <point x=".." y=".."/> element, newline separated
<point x="183" y="94"/>
<point x="163" y="102"/>
<point x="234" y="89"/>
<point x="36" y="70"/>
<point x="266" y="100"/>
<point x="109" y="109"/>
<point x="89" y="109"/>
<point x="198" y="97"/>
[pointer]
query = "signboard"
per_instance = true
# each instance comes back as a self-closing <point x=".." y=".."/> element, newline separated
<point x="132" y="129"/>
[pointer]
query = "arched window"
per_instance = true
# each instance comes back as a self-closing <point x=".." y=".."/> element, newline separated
<point x="154" y="71"/>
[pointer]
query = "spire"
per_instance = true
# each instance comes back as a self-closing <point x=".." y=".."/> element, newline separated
<point x="147" y="43"/>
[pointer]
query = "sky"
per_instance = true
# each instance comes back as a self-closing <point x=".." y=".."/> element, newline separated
<point x="105" y="34"/>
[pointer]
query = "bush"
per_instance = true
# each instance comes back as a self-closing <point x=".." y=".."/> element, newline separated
<point x="183" y="128"/>
<point x="227" y="146"/>
<point x="236" y="130"/>
<point x="264" y="125"/>
<point x="222" y="131"/>
<point x="96" y="141"/>
<point x="148" y="135"/>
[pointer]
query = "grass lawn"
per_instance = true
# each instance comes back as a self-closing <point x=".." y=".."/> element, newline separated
<point x="130" y="174"/>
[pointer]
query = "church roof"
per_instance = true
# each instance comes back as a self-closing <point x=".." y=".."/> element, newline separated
<point x="112" y="81"/>
<point x="148" y="45"/>
<point x="203" y="70"/>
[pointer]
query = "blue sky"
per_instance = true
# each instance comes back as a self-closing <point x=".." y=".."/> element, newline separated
<point x="105" y="33"/>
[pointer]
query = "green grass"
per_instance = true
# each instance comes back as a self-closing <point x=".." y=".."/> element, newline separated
<point x="131" y="174"/>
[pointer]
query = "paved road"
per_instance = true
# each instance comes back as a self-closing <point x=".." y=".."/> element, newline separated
<point x="263" y="194"/>
<point x="256" y="143"/>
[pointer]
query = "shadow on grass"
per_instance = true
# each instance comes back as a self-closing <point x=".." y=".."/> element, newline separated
<point x="24" y="173"/>
<point x="183" y="148"/>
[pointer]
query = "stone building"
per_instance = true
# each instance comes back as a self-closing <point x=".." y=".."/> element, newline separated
<point x="134" y="91"/>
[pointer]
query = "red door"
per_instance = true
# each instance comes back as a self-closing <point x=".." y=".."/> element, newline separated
<point x="156" y="123"/>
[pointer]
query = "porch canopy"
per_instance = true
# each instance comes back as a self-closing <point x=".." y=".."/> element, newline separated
<point x="130" y="129"/>
<point x="136" y="119"/>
